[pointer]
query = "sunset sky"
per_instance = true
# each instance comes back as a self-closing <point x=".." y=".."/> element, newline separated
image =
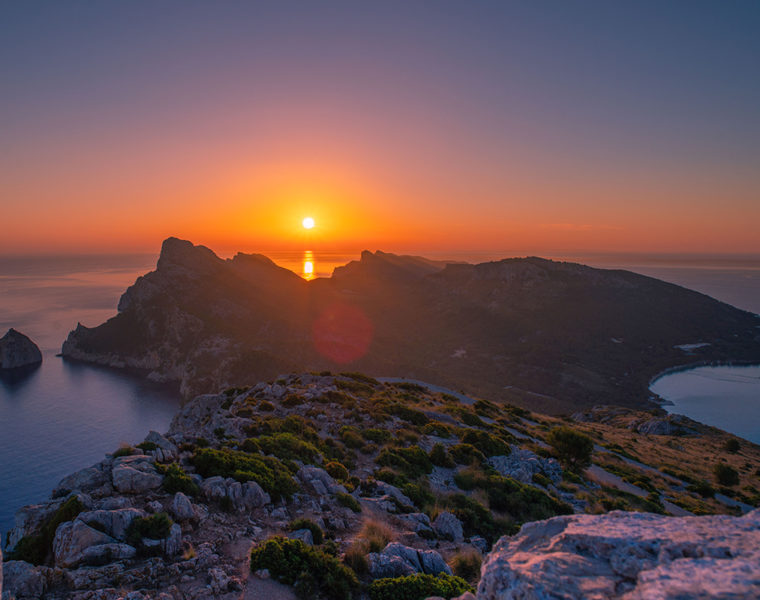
<point x="531" y="126"/>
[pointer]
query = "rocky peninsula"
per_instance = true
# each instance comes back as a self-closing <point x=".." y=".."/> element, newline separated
<point x="321" y="485"/>
<point x="554" y="337"/>
<point x="17" y="351"/>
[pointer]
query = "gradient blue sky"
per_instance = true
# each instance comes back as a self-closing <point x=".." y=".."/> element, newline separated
<point x="484" y="125"/>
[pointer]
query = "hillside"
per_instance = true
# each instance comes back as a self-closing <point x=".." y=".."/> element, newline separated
<point x="554" y="337"/>
<point x="363" y="484"/>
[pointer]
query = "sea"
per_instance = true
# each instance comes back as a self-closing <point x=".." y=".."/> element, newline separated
<point x="64" y="415"/>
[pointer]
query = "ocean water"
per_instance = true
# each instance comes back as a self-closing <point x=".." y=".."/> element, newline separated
<point x="726" y="397"/>
<point x="64" y="416"/>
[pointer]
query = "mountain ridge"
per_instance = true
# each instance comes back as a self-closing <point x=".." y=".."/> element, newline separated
<point x="551" y="336"/>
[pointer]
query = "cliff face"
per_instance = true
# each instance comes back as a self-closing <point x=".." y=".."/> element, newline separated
<point x="17" y="350"/>
<point x="552" y="336"/>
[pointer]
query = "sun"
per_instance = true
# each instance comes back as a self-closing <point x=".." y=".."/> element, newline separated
<point x="308" y="223"/>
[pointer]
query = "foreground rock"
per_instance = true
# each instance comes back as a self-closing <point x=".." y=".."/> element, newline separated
<point x="631" y="556"/>
<point x="17" y="350"/>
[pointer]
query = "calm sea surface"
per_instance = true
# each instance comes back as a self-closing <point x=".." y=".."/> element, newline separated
<point x="65" y="416"/>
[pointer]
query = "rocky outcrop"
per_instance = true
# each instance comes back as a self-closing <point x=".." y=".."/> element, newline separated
<point x="448" y="527"/>
<point x="630" y="556"/>
<point x="522" y="464"/>
<point x="397" y="560"/>
<point x="135" y="474"/>
<point x="17" y="350"/>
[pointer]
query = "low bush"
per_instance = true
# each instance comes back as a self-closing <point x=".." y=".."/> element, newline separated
<point x="725" y="475"/>
<point x="374" y="434"/>
<point x="375" y="535"/>
<point x="35" y="548"/>
<point x="487" y="443"/>
<point x="732" y="445"/>
<point x="349" y="501"/>
<point x="419" y="493"/>
<point x="269" y="472"/>
<point x="287" y="446"/>
<point x="155" y="527"/>
<point x="147" y="446"/>
<point x="465" y="454"/>
<point x="418" y="587"/>
<point x="176" y="480"/>
<point x="312" y="572"/>
<point x="123" y="451"/>
<point x="410" y="415"/>
<point x="351" y="437"/>
<point x="316" y="531"/>
<point x="336" y="470"/>
<point x="438" y="429"/>
<point x="440" y="458"/>
<point x="412" y="462"/>
<point x="572" y="448"/>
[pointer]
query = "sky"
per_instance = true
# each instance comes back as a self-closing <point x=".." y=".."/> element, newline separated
<point x="532" y="126"/>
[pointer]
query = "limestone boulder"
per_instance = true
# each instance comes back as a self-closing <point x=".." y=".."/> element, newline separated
<point x="630" y="556"/>
<point x="447" y="526"/>
<point x="72" y="539"/>
<point x="135" y="475"/>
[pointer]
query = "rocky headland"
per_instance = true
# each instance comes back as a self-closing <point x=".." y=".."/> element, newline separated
<point x="340" y="486"/>
<point x="18" y="351"/>
<point x="551" y="336"/>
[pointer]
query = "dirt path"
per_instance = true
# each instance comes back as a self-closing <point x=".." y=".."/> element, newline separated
<point x="267" y="589"/>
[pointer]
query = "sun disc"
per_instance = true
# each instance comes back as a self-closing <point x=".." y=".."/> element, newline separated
<point x="308" y="223"/>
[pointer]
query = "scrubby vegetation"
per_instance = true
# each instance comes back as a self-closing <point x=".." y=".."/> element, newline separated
<point x="573" y="448"/>
<point x="312" y="572"/>
<point x="176" y="480"/>
<point x="418" y="587"/>
<point x="317" y="535"/>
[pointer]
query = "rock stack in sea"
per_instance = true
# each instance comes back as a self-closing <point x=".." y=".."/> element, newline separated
<point x="17" y="350"/>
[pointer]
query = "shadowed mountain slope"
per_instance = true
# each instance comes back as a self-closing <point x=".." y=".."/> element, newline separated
<point x="547" y="335"/>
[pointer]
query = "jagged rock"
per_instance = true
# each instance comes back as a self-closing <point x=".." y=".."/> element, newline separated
<point x="17" y="350"/>
<point x="170" y="545"/>
<point x="667" y="425"/>
<point x="318" y="481"/>
<point x="631" y="556"/>
<point x="28" y="521"/>
<point x="386" y="489"/>
<point x="254" y="496"/>
<point x="446" y="525"/>
<point x="304" y="535"/>
<point x="522" y="464"/>
<point x="112" y="522"/>
<point x="84" y="480"/>
<point x="219" y="581"/>
<point x="168" y="450"/>
<point x="135" y="474"/>
<point x="403" y="560"/>
<point x="479" y="543"/>
<point x="182" y="508"/>
<point x="72" y="539"/>
<point x="22" y="579"/>
<point x="107" y="553"/>
<point x="416" y="521"/>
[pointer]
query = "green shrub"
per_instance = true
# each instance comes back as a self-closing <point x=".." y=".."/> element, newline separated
<point x="349" y="501"/>
<point x="725" y="475"/>
<point x="390" y="476"/>
<point x="470" y="478"/>
<point x="155" y="527"/>
<point x="316" y="531"/>
<point x="361" y="378"/>
<point x="440" y="458"/>
<point x="266" y="406"/>
<point x="269" y="472"/>
<point x="147" y="446"/>
<point x="374" y="434"/>
<point x="467" y="565"/>
<point x="488" y="444"/>
<point x="412" y="462"/>
<point x="573" y="448"/>
<point x="465" y="454"/>
<point x="541" y="479"/>
<point x="292" y="400"/>
<point x="312" y="572"/>
<point x="410" y="415"/>
<point x="351" y="437"/>
<point x="522" y="502"/>
<point x="337" y="470"/>
<point x="419" y="493"/>
<point x="702" y="488"/>
<point x="418" y="587"/>
<point x="35" y="548"/>
<point x="438" y="429"/>
<point x="176" y="480"/>
<point x="732" y="445"/>
<point x="287" y="446"/>
<point x="123" y="451"/>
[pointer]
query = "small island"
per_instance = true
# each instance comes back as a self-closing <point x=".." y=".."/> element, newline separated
<point x="17" y="350"/>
